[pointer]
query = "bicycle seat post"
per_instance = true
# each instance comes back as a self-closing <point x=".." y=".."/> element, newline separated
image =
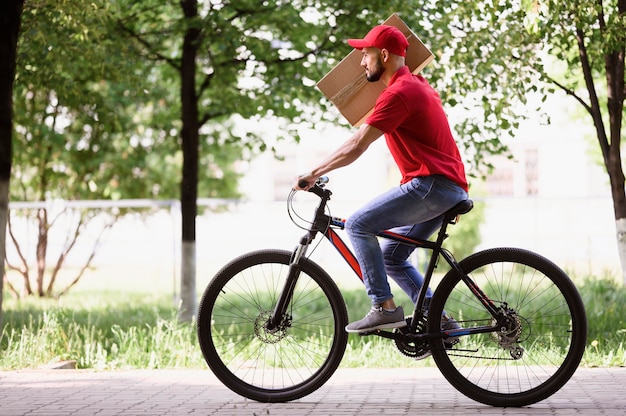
<point x="450" y="217"/>
<point x="423" y="303"/>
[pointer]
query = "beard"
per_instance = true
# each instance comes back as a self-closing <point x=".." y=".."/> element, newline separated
<point x="375" y="73"/>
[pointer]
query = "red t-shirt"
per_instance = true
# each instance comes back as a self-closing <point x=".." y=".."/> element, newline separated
<point x="416" y="128"/>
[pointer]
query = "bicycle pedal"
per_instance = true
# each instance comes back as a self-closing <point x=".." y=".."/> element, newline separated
<point x="450" y="345"/>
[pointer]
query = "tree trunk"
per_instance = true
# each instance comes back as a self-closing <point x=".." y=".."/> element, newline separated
<point x="4" y="215"/>
<point x="609" y="144"/>
<point x="614" y="64"/>
<point x="620" y="226"/>
<point x="188" y="282"/>
<point x="42" y="249"/>
<point x="190" y="144"/>
<point x="10" y="19"/>
<point x="616" y="175"/>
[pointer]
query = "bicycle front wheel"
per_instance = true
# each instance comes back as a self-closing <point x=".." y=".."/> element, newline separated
<point x="292" y="359"/>
<point x="530" y="357"/>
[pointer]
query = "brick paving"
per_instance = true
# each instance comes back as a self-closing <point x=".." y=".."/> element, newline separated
<point x="363" y="392"/>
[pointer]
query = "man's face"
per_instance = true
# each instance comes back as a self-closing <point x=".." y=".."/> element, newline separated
<point x="372" y="63"/>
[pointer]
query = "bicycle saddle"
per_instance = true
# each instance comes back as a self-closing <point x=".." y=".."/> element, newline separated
<point x="461" y="208"/>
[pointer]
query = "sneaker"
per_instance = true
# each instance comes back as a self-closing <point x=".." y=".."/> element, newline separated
<point x="447" y="324"/>
<point x="378" y="318"/>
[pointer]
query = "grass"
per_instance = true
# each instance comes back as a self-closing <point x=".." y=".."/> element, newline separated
<point x="113" y="330"/>
<point x="100" y="331"/>
<point x="606" y="317"/>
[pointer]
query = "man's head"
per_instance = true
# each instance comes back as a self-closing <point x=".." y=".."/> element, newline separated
<point x="384" y="47"/>
<point x="383" y="37"/>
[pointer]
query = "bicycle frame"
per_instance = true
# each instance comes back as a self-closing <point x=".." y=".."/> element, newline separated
<point x="326" y="225"/>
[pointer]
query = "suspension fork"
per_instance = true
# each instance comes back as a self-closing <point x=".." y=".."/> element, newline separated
<point x="320" y="224"/>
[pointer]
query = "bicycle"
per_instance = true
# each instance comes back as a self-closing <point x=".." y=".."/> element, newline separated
<point x="271" y="322"/>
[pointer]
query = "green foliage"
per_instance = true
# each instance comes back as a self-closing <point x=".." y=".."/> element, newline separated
<point x="82" y="107"/>
<point x="483" y="69"/>
<point x="256" y="60"/>
<point x="260" y="61"/>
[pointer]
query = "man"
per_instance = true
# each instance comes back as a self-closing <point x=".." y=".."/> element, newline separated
<point x="410" y="116"/>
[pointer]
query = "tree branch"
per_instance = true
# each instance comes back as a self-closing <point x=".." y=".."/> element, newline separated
<point x="24" y="270"/>
<point x="210" y="116"/>
<point x="12" y="289"/>
<point x="148" y="46"/>
<point x="594" y="108"/>
<point x="69" y="244"/>
<point x="107" y="226"/>
<point x="568" y="91"/>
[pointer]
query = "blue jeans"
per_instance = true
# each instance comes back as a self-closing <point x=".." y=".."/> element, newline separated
<point x="413" y="209"/>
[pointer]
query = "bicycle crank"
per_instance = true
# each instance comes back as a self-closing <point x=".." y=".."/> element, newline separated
<point x="410" y="348"/>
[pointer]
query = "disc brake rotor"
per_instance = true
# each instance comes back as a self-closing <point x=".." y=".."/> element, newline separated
<point x="270" y="336"/>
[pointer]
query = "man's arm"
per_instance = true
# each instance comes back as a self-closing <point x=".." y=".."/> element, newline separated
<point x="347" y="153"/>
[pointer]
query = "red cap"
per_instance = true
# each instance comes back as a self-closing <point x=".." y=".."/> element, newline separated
<point x="383" y="37"/>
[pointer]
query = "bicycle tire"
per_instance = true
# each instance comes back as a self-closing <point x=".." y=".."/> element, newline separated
<point x="271" y="366"/>
<point x="520" y="367"/>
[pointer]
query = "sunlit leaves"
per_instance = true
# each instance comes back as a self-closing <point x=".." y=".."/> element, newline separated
<point x="262" y="59"/>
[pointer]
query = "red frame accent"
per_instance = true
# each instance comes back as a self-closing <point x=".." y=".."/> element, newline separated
<point x="343" y="249"/>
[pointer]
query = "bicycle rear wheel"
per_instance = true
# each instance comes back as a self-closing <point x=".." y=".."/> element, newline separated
<point x="534" y="355"/>
<point x="289" y="361"/>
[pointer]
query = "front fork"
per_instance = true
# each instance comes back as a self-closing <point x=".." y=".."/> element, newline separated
<point x="280" y="311"/>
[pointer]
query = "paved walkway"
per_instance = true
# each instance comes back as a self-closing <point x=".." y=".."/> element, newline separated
<point x="363" y="392"/>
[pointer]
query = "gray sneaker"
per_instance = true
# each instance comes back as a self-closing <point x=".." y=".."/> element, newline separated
<point x="447" y="323"/>
<point x="378" y="318"/>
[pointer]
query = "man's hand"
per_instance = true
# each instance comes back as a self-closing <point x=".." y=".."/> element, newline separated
<point x="307" y="179"/>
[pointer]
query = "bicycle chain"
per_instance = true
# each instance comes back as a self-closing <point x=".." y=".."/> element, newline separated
<point x="508" y="339"/>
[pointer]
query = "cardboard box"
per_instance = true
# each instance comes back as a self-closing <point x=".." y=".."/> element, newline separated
<point x="348" y="89"/>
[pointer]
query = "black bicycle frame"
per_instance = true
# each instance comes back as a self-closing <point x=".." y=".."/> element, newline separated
<point x="326" y="225"/>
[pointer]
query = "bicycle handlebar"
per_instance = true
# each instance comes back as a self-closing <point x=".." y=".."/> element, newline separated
<point x="322" y="180"/>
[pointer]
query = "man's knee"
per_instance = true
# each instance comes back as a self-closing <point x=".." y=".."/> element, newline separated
<point x="355" y="225"/>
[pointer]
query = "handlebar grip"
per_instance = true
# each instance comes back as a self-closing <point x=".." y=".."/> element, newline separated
<point x="302" y="183"/>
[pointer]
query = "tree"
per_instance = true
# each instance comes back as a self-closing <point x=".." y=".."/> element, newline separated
<point x="493" y="56"/>
<point x="10" y="20"/>
<point x="589" y="38"/>
<point x="81" y="132"/>
<point x="72" y="140"/>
